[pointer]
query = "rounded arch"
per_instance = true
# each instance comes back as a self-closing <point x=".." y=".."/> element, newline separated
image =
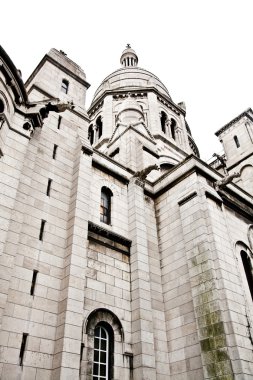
<point x="245" y="167"/>
<point x="109" y="185"/>
<point x="168" y="160"/>
<point x="173" y="125"/>
<point x="99" y="320"/>
<point x="163" y="119"/>
<point x="5" y="103"/>
<point x="91" y="134"/>
<point x="103" y="315"/>
<point x="240" y="245"/>
<point x="107" y="190"/>
<point x="99" y="125"/>
<point x="244" y="257"/>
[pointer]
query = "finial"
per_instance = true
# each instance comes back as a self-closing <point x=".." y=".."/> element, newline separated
<point x="128" y="46"/>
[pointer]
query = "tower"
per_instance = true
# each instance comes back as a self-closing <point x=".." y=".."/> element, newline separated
<point x="237" y="139"/>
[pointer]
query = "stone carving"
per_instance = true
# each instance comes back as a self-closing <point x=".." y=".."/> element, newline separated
<point x="222" y="160"/>
<point x="227" y="179"/>
<point x="142" y="174"/>
<point x="60" y="106"/>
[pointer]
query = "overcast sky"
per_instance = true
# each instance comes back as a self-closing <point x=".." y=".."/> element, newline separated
<point x="200" y="49"/>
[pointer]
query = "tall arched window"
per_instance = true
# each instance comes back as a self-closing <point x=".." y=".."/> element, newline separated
<point x="91" y="134"/>
<point x="248" y="270"/>
<point x="173" y="128"/>
<point x="105" y="205"/>
<point x="65" y="86"/>
<point x="99" y="126"/>
<point x="103" y="352"/>
<point x="163" y="119"/>
<point x="236" y="140"/>
<point x="105" y="335"/>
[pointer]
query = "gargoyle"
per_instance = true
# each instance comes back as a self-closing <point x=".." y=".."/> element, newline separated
<point x="222" y="159"/>
<point x="60" y="107"/>
<point x="142" y="174"/>
<point x="227" y="179"/>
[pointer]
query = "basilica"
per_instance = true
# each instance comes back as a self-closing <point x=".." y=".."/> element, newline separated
<point x="123" y="255"/>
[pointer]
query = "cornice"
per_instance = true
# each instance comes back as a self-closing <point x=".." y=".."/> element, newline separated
<point x="136" y="90"/>
<point x="108" y="238"/>
<point x="235" y="120"/>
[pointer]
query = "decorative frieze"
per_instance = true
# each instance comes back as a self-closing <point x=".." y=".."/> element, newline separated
<point x="136" y="95"/>
<point x="168" y="105"/>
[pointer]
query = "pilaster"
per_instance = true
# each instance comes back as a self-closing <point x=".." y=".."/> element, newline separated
<point x="142" y="319"/>
<point x="202" y="260"/>
<point x="70" y="318"/>
<point x="153" y="114"/>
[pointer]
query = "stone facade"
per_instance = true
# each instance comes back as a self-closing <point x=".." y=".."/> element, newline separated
<point x="111" y="268"/>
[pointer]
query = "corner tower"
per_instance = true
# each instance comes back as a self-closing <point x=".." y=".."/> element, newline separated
<point x="134" y="119"/>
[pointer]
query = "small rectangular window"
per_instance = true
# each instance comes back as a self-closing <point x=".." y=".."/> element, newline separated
<point x="22" y="348"/>
<point x="59" y="122"/>
<point x="42" y="226"/>
<point x="35" y="272"/>
<point x="237" y="143"/>
<point x="81" y="351"/>
<point x="54" y="151"/>
<point x="65" y="86"/>
<point x="49" y="186"/>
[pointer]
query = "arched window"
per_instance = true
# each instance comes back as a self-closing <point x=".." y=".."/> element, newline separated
<point x="236" y="140"/>
<point x="163" y="119"/>
<point x="105" y="335"/>
<point x="248" y="270"/>
<point x="173" y="129"/>
<point x="64" y="86"/>
<point x="103" y="352"/>
<point x="105" y="205"/>
<point x="99" y="126"/>
<point x="91" y="134"/>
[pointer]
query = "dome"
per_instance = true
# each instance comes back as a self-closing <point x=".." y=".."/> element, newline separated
<point x="130" y="79"/>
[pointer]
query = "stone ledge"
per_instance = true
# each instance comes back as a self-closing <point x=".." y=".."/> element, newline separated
<point x="108" y="238"/>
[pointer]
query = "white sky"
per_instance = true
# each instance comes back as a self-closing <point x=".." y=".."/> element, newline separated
<point x="200" y="49"/>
